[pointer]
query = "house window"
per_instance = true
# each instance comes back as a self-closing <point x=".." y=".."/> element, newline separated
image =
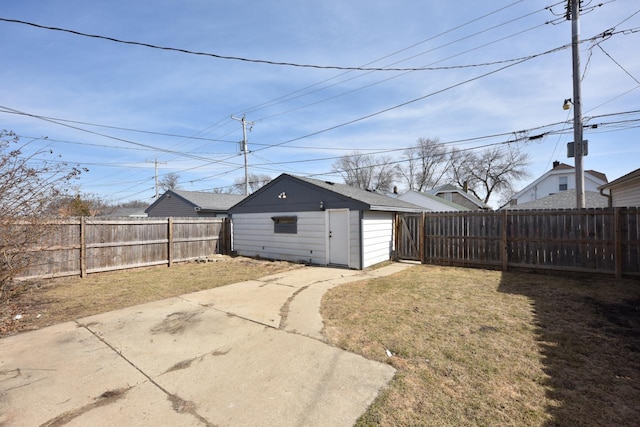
<point x="285" y="224"/>
<point x="563" y="183"/>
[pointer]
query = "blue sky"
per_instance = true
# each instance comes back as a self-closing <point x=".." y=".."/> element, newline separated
<point x="180" y="105"/>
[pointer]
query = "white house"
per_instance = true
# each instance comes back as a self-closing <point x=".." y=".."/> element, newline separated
<point x="429" y="202"/>
<point x="316" y="222"/>
<point x="457" y="195"/>
<point x="561" y="177"/>
<point x="625" y="191"/>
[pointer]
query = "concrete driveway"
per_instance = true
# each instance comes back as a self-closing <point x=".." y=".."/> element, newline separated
<point x="250" y="353"/>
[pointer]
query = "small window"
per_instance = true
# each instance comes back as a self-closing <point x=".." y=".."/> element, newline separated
<point x="563" y="183"/>
<point x="285" y="224"/>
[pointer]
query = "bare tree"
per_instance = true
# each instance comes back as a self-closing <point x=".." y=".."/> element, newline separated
<point x="366" y="171"/>
<point x="28" y="185"/>
<point x="493" y="171"/>
<point x="256" y="181"/>
<point x="425" y="166"/>
<point x="170" y="182"/>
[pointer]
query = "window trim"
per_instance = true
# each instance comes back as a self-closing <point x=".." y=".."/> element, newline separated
<point x="287" y="224"/>
<point x="565" y="183"/>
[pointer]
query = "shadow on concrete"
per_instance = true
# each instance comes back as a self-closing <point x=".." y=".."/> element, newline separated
<point x="589" y="341"/>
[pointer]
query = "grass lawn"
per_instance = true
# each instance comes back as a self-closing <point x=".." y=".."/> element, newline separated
<point x="477" y="347"/>
<point x="64" y="299"/>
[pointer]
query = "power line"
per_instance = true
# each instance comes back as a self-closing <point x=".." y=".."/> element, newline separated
<point x="617" y="63"/>
<point x="118" y="127"/>
<point x="214" y="55"/>
<point x="288" y="97"/>
<point x="403" y="104"/>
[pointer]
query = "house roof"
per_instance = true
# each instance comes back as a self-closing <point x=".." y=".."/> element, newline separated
<point x="203" y="201"/>
<point x="376" y="201"/>
<point x="345" y="194"/>
<point x="563" y="200"/>
<point x="625" y="179"/>
<point x="559" y="168"/>
<point x="601" y="176"/>
<point x="449" y="188"/>
<point x="432" y="202"/>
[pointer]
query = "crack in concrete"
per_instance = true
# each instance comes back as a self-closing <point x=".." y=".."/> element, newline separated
<point x="172" y="397"/>
<point x="284" y="310"/>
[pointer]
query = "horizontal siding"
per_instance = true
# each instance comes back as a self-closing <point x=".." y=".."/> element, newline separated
<point x="377" y="237"/>
<point x="626" y="197"/>
<point x="172" y="206"/>
<point x="253" y="235"/>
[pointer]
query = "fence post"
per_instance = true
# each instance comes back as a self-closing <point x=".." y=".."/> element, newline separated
<point x="617" y="239"/>
<point x="226" y="239"/>
<point x="503" y="242"/>
<point x="421" y="236"/>
<point x="170" y="241"/>
<point x="83" y="247"/>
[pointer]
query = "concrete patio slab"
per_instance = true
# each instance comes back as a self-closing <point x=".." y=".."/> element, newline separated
<point x="55" y="371"/>
<point x="216" y="357"/>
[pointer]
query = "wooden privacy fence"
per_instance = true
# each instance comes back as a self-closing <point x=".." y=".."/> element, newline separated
<point x="580" y="240"/>
<point x="91" y="245"/>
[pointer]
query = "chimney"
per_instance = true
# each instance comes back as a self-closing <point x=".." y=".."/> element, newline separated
<point x="465" y="187"/>
<point x="395" y="189"/>
<point x="556" y="164"/>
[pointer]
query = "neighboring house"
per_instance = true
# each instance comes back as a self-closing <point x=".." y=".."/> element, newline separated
<point x="563" y="200"/>
<point x="457" y="195"/>
<point x="181" y="203"/>
<point x="316" y="222"/>
<point x="561" y="178"/>
<point x="625" y="191"/>
<point x="126" y="212"/>
<point x="429" y="202"/>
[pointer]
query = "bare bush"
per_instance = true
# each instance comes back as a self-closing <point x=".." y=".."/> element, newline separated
<point x="29" y="184"/>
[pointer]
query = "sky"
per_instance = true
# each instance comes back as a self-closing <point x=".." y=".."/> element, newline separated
<point x="489" y="73"/>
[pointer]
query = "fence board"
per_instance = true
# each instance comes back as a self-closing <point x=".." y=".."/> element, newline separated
<point x="89" y="245"/>
<point x="588" y="240"/>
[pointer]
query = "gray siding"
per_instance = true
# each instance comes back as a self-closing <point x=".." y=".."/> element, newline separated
<point x="172" y="206"/>
<point x="291" y="195"/>
<point x="253" y="235"/>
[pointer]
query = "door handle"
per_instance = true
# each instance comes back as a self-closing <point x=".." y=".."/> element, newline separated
<point x="330" y="234"/>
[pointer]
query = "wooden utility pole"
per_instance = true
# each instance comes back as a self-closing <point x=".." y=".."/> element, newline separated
<point x="245" y="150"/>
<point x="155" y="168"/>
<point x="578" y="143"/>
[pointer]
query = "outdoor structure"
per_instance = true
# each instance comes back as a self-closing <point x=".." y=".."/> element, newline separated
<point x="429" y="202"/>
<point x="457" y="195"/>
<point x="316" y="222"/>
<point x="563" y="200"/>
<point x="179" y="203"/>
<point x="561" y="177"/>
<point x="625" y="191"/>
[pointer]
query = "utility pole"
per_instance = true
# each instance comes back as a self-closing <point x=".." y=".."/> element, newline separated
<point x="245" y="150"/>
<point x="155" y="164"/>
<point x="578" y="143"/>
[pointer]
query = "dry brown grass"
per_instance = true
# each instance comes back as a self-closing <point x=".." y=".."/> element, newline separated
<point x="65" y="299"/>
<point x="477" y="347"/>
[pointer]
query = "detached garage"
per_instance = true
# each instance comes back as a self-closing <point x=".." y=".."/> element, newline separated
<point x="317" y="222"/>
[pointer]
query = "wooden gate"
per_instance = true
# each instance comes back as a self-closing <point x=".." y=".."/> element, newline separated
<point x="409" y="231"/>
